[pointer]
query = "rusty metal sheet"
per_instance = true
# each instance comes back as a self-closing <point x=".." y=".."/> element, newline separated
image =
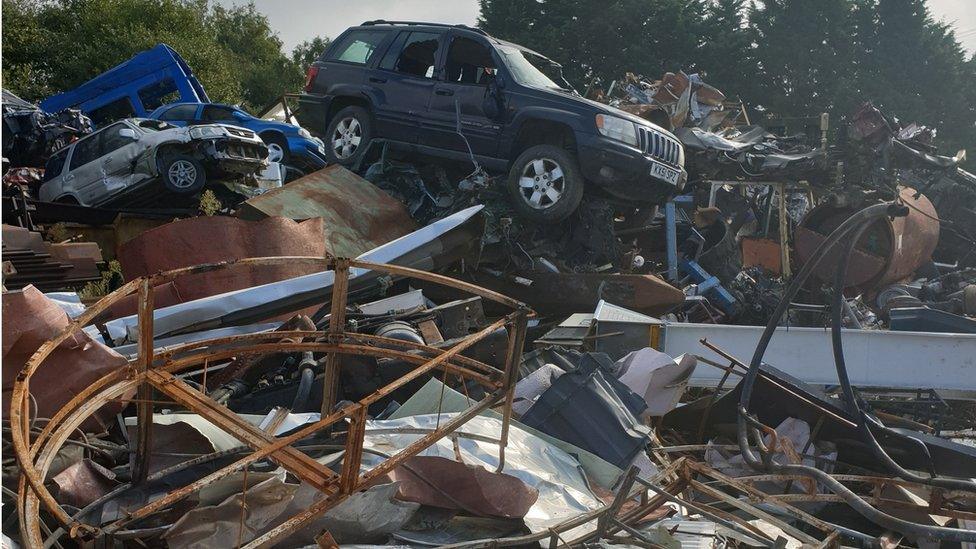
<point x="71" y="368"/>
<point x="762" y="252"/>
<point x="358" y="215"/>
<point x="83" y="483"/>
<point x="889" y="251"/>
<point x="205" y="239"/>
<point x="449" y="484"/>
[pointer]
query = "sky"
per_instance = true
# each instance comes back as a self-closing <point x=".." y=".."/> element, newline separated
<point x="299" y="20"/>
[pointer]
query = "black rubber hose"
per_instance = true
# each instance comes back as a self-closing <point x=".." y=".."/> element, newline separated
<point x="304" y="387"/>
<point x="863" y="420"/>
<point x="746" y="423"/>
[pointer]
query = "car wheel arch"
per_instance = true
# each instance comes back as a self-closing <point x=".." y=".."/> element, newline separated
<point x="542" y="131"/>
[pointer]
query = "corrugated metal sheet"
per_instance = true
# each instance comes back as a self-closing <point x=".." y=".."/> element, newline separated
<point x="358" y="215"/>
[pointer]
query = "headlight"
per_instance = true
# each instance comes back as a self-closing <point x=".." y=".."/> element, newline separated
<point x="617" y="128"/>
<point x="304" y="133"/>
<point x="205" y="132"/>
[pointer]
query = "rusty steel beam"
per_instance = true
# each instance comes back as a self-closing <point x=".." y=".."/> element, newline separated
<point x="144" y="407"/>
<point x="337" y="325"/>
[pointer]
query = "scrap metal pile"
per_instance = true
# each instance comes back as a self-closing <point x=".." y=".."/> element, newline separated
<point x="390" y="355"/>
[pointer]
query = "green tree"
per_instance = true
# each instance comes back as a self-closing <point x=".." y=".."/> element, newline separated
<point x="54" y="46"/>
<point x="308" y="51"/>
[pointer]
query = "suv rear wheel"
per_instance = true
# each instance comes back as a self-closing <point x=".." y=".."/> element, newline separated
<point x="546" y="184"/>
<point x="348" y="135"/>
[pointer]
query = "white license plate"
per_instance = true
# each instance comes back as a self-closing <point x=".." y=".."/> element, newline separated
<point x="661" y="171"/>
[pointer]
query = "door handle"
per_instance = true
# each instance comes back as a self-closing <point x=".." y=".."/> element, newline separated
<point x="444" y="92"/>
<point x="377" y="80"/>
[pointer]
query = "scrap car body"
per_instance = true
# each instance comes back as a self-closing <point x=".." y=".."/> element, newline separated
<point x="133" y="154"/>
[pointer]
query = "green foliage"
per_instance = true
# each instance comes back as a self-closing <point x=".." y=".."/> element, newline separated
<point x="791" y="58"/>
<point x="308" y="51"/>
<point x="50" y="47"/>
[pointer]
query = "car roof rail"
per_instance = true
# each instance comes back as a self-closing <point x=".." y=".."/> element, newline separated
<point x="448" y="25"/>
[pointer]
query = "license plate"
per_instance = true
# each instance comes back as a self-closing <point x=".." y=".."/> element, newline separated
<point x="661" y="171"/>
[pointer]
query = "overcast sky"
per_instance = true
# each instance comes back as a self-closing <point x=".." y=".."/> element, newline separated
<point x="298" y="20"/>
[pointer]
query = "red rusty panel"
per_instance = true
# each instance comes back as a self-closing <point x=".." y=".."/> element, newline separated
<point x="889" y="251"/>
<point x="440" y="482"/>
<point x="70" y="369"/>
<point x="358" y="215"/>
<point x="204" y="239"/>
<point x="762" y="252"/>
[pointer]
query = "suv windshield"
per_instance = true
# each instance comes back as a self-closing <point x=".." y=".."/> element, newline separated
<point x="524" y="68"/>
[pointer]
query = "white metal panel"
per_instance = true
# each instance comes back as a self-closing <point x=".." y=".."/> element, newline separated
<point x="874" y="357"/>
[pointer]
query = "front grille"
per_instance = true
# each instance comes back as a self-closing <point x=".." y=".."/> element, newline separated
<point x="240" y="133"/>
<point x="659" y="146"/>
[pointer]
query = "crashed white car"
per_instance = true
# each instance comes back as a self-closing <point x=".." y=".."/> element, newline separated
<point x="136" y="160"/>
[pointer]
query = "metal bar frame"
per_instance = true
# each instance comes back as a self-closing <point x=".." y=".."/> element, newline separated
<point x="160" y="372"/>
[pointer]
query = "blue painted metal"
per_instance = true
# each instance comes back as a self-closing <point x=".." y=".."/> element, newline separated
<point x="671" y="228"/>
<point x="709" y="286"/>
<point x="155" y="72"/>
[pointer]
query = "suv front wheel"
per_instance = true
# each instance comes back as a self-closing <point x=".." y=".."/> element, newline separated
<point x="348" y="135"/>
<point x="546" y="184"/>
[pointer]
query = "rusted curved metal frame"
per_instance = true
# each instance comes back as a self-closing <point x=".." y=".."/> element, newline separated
<point x="143" y="371"/>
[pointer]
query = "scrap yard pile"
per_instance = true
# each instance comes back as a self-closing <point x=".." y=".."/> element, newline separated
<point x="211" y="340"/>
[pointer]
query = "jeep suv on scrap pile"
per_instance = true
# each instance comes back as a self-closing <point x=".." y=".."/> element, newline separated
<point x="407" y="82"/>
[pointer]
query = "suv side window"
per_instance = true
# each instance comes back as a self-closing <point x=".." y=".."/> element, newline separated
<point x="86" y="150"/>
<point x="180" y="112"/>
<point x="413" y="53"/>
<point x="468" y="62"/>
<point x="55" y="164"/>
<point x="111" y="139"/>
<point x="357" y="47"/>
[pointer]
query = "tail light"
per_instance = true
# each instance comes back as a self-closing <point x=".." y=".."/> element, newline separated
<point x="313" y="71"/>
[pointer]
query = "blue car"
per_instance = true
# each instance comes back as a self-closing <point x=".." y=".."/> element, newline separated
<point x="291" y="145"/>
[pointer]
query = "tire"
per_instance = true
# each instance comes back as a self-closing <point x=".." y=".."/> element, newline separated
<point x="348" y="136"/>
<point x="552" y="195"/>
<point x="182" y="174"/>
<point x="277" y="147"/>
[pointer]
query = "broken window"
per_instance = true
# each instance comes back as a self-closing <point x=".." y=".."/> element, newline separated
<point x="180" y="112"/>
<point x="111" y="139"/>
<point x="116" y="110"/>
<point x="158" y="94"/>
<point x="55" y="164"/>
<point x="86" y="150"/>
<point x="413" y="53"/>
<point x="469" y="62"/>
<point x="216" y="113"/>
<point x="357" y="47"/>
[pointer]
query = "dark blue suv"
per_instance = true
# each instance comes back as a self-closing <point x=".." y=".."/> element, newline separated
<point x="415" y="84"/>
<point x="287" y="143"/>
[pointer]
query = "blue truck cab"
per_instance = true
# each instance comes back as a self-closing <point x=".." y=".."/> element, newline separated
<point x="134" y="88"/>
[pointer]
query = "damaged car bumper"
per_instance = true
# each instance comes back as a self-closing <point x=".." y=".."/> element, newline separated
<point x="651" y="172"/>
<point x="235" y="150"/>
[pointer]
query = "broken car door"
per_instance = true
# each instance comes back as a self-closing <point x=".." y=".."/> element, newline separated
<point x="83" y="171"/>
<point x="118" y="149"/>
<point x="466" y="86"/>
<point x="404" y="81"/>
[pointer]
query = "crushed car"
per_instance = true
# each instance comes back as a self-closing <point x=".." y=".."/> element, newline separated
<point x="30" y="134"/>
<point x="287" y="143"/>
<point x="138" y="158"/>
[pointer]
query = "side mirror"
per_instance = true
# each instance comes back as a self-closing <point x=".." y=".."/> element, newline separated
<point x="127" y="133"/>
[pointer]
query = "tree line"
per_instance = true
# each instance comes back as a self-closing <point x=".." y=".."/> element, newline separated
<point x="786" y="58"/>
<point x="53" y="46"/>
